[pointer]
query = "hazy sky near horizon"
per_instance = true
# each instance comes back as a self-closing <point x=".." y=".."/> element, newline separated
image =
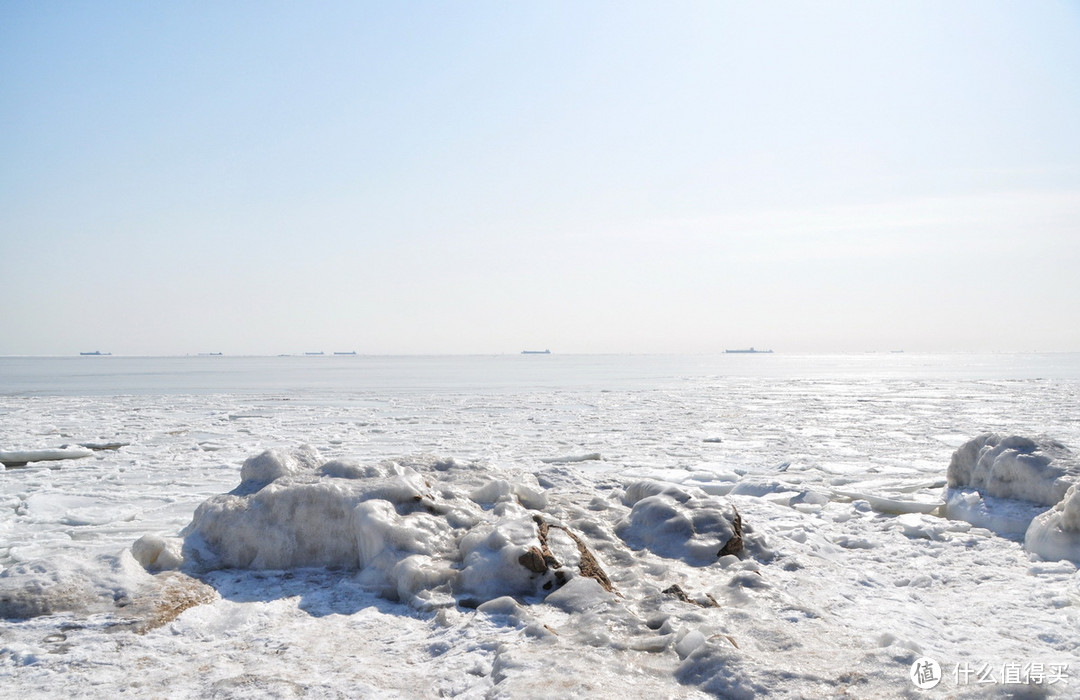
<point x="475" y="177"/>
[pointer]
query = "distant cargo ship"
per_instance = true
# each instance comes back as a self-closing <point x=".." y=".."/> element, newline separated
<point x="750" y="351"/>
<point x="535" y="352"/>
<point x="96" y="353"/>
<point x="351" y="352"/>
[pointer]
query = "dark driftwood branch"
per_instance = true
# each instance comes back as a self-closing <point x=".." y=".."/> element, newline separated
<point x="540" y="559"/>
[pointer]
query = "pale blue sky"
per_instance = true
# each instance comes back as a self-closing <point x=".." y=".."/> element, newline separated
<point x="465" y="177"/>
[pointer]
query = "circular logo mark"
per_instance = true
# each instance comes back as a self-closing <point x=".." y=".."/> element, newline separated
<point x="925" y="673"/>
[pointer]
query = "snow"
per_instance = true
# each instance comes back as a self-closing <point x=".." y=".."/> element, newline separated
<point x="369" y="537"/>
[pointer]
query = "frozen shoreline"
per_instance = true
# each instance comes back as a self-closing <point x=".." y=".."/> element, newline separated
<point x="849" y="599"/>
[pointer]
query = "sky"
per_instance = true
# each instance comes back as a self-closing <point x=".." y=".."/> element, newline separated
<point x="590" y="177"/>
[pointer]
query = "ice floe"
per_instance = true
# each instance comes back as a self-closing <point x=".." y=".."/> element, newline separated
<point x="19" y="458"/>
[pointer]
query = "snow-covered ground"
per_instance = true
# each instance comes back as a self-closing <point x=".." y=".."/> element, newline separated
<point x="838" y="469"/>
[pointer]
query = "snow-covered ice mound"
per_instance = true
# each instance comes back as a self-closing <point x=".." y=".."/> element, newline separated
<point x="1016" y="467"/>
<point x="424" y="531"/>
<point x="680" y="522"/>
<point x="1005" y="484"/>
<point x="1055" y="534"/>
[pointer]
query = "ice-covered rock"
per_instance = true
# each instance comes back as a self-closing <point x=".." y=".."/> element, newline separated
<point x="497" y="563"/>
<point x="680" y="522"/>
<point x="1040" y="471"/>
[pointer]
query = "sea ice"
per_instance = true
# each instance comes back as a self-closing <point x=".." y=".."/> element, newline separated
<point x="410" y="529"/>
<point x="19" y="458"/>
<point x="1040" y="471"/>
<point x="1005" y="484"/>
<point x="1005" y="516"/>
<point x="1055" y="534"/>
<point x="35" y="588"/>
<point x="848" y="597"/>
<point x="680" y="522"/>
<point x="157" y="553"/>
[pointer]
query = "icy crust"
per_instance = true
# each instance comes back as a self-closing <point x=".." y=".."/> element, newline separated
<point x="426" y="531"/>
<point x="678" y="522"/>
<point x="31" y="589"/>
<point x="1005" y="483"/>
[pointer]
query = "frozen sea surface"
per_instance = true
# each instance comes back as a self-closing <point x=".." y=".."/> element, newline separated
<point x="837" y="464"/>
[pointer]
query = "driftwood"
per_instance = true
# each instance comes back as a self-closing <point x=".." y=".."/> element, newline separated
<point x="541" y="559"/>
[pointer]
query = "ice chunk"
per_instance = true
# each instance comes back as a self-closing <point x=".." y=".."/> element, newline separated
<point x="758" y="488"/>
<point x="410" y="537"/>
<point x="1040" y="471"/>
<point x="1055" y="534"/>
<point x="401" y="555"/>
<point x="570" y="459"/>
<point x="893" y="506"/>
<point x="19" y="458"/>
<point x="678" y="522"/>
<point x="1004" y="485"/>
<point x="262" y="469"/>
<point x="1006" y="517"/>
<point x="492" y="492"/>
<point x="504" y="605"/>
<point x="579" y="595"/>
<point x="688" y="641"/>
<point x="280" y="526"/>
<point x="158" y="553"/>
<point x="525" y="488"/>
